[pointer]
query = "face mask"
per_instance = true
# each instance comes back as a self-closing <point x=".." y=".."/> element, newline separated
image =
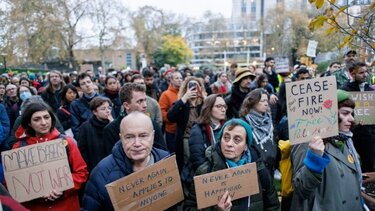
<point x="25" y="95"/>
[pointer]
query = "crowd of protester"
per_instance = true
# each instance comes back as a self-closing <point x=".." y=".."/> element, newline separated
<point x="121" y="122"/>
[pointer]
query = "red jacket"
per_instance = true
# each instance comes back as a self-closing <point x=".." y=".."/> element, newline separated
<point x="166" y="100"/>
<point x="69" y="200"/>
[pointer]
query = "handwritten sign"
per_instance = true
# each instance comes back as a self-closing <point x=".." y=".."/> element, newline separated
<point x="311" y="48"/>
<point x="312" y="109"/>
<point x="239" y="182"/>
<point x="364" y="111"/>
<point x="156" y="187"/>
<point x="35" y="170"/>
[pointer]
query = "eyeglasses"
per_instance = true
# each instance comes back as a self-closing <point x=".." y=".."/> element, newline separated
<point x="130" y="138"/>
<point x="221" y="106"/>
<point x="105" y="108"/>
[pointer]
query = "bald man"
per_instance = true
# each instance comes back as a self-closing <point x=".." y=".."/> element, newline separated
<point x="133" y="153"/>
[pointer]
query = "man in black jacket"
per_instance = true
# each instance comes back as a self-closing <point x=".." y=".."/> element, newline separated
<point x="133" y="98"/>
<point x="240" y="88"/>
<point x="363" y="135"/>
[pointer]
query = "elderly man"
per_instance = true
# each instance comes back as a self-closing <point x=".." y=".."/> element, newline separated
<point x="133" y="153"/>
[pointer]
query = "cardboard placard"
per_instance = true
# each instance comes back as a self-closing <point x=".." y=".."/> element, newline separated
<point x="311" y="48"/>
<point x="35" y="170"/>
<point x="156" y="187"/>
<point x="239" y="182"/>
<point x="312" y="109"/>
<point x="364" y="112"/>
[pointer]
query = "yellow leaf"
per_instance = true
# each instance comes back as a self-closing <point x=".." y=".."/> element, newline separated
<point x="319" y="4"/>
<point x="320" y="21"/>
<point x="332" y="1"/>
<point x="331" y="30"/>
<point x="342" y="9"/>
<point x="354" y="31"/>
<point x="372" y="5"/>
<point x="311" y="1"/>
<point x="373" y="45"/>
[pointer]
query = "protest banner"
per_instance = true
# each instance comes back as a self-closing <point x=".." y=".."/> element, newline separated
<point x="364" y="112"/>
<point x="156" y="187"/>
<point x="35" y="170"/>
<point x="311" y="48"/>
<point x="312" y="109"/>
<point x="239" y="182"/>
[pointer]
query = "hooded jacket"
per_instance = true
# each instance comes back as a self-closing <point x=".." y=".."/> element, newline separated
<point x="69" y="200"/>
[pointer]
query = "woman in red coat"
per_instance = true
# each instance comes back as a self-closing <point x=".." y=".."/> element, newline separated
<point x="38" y="123"/>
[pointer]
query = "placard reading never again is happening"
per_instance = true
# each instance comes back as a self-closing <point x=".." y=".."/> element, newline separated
<point x="312" y="109"/>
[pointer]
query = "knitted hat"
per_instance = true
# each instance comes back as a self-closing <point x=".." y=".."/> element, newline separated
<point x="241" y="73"/>
<point x="342" y="95"/>
<point x="244" y="124"/>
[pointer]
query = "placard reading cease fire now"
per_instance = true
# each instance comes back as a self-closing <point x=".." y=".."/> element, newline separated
<point x="156" y="187"/>
<point x="312" y="109"/>
<point x="239" y="182"/>
<point x="35" y="170"/>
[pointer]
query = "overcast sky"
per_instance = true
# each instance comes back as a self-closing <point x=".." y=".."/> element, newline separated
<point x="191" y="8"/>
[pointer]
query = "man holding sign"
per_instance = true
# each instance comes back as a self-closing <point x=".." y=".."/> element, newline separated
<point x="132" y="153"/>
<point x="326" y="172"/>
<point x="234" y="149"/>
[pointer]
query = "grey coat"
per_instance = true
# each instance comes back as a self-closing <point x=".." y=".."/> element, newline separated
<point x="337" y="188"/>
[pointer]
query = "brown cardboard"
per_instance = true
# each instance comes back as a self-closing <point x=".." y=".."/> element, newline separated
<point x="35" y="170"/>
<point x="312" y="109"/>
<point x="156" y="187"/>
<point x="240" y="182"/>
<point x="364" y="112"/>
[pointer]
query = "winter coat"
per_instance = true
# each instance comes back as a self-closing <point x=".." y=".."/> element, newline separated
<point x="63" y="114"/>
<point x="69" y="200"/>
<point x="91" y="142"/>
<point x="13" y="109"/>
<point x="234" y="101"/>
<point x="266" y="199"/>
<point x="337" y="188"/>
<point x="179" y="113"/>
<point x="153" y="91"/>
<point x="363" y="135"/>
<point x="5" y="126"/>
<point x="52" y="99"/>
<point x="153" y="110"/>
<point x="110" y="169"/>
<point x="80" y="112"/>
<point x="112" y="130"/>
<point x="116" y="102"/>
<point x="166" y="101"/>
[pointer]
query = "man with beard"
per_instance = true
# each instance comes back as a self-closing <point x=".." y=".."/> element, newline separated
<point x="363" y="135"/>
<point x="240" y="88"/>
<point x="343" y="76"/>
<point x="151" y="89"/>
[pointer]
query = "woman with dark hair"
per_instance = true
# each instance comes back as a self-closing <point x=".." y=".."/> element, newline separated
<point x="26" y="82"/>
<point x="255" y="111"/>
<point x="262" y="82"/>
<point x="111" y="91"/>
<point x="326" y="172"/>
<point x="204" y="133"/>
<point x="68" y="94"/>
<point x="39" y="124"/>
<point x="234" y="148"/>
<point x="185" y="112"/>
<point x="222" y="85"/>
<point x="90" y="136"/>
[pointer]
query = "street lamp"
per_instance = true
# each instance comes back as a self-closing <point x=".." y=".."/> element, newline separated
<point x="4" y="60"/>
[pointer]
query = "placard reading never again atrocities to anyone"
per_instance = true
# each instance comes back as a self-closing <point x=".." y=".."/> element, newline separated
<point x="364" y="112"/>
<point x="35" y="170"/>
<point x="239" y="182"/>
<point x="312" y="109"/>
<point x="156" y="187"/>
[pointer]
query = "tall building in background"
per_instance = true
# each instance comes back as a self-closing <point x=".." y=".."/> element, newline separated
<point x="239" y="38"/>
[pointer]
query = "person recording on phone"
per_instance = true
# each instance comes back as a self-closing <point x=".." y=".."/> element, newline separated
<point x="185" y="112"/>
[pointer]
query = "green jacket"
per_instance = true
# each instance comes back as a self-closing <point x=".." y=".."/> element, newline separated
<point x="341" y="77"/>
<point x="265" y="200"/>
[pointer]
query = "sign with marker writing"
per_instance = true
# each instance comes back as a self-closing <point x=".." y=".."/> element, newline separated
<point x="156" y="187"/>
<point x="35" y="170"/>
<point x="239" y="182"/>
<point x="312" y="109"/>
<point x="364" y="112"/>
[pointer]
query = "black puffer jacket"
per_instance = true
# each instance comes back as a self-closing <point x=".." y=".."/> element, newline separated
<point x="266" y="199"/>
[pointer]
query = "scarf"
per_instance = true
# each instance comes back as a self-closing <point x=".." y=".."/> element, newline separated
<point x="246" y="158"/>
<point x="262" y="127"/>
<point x="111" y="94"/>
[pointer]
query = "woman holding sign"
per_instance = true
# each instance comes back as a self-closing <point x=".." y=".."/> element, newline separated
<point x="39" y="124"/>
<point x="327" y="173"/>
<point x="234" y="149"/>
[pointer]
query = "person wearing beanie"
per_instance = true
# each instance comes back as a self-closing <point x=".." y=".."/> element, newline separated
<point x="234" y="148"/>
<point x="326" y="172"/>
<point x="240" y="88"/>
